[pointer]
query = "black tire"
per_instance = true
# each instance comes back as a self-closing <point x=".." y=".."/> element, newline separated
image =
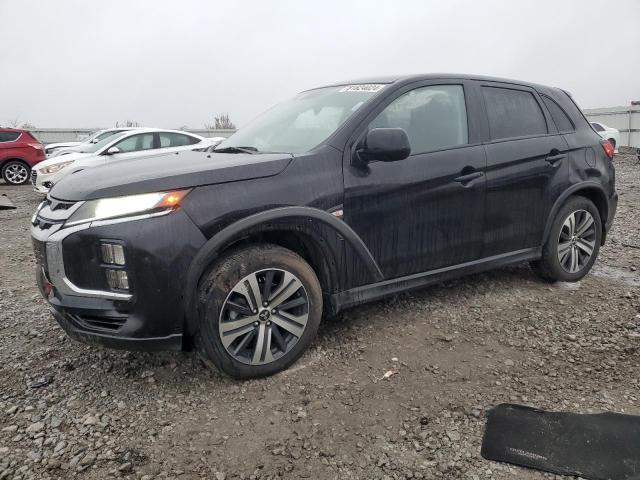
<point x="216" y="287"/>
<point x="10" y="169"/>
<point x="550" y="267"/>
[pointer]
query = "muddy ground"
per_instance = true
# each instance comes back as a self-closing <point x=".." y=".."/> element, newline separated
<point x="73" y="411"/>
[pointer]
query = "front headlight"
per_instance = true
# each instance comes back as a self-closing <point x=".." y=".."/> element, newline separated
<point x="130" y="205"/>
<point x="57" y="167"/>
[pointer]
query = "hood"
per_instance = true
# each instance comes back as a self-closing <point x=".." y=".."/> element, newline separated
<point x="169" y="171"/>
<point x="60" y="159"/>
<point x="62" y="144"/>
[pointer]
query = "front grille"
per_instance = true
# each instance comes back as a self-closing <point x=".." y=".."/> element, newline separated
<point x="97" y="323"/>
<point x="52" y="212"/>
<point x="34" y="177"/>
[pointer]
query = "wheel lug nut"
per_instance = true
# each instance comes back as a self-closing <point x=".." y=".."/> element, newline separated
<point x="255" y="311"/>
<point x="268" y="324"/>
<point x="274" y="311"/>
<point x="265" y="304"/>
<point x="255" y="324"/>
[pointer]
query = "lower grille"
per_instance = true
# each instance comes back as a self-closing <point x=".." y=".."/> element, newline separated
<point x="98" y="324"/>
<point x="34" y="177"/>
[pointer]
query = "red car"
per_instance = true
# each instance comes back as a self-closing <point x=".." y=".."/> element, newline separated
<point x="19" y="152"/>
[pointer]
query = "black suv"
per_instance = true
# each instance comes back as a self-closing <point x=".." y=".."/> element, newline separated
<point x="336" y="197"/>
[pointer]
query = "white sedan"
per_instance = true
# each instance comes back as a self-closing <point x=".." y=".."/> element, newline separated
<point x="608" y="133"/>
<point x="137" y="143"/>
<point x="62" y="148"/>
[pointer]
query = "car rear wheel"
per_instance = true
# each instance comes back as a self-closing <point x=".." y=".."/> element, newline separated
<point x="573" y="243"/>
<point x="259" y="309"/>
<point x="16" y="172"/>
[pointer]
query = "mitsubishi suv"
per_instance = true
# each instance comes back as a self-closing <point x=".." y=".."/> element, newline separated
<point x="341" y="195"/>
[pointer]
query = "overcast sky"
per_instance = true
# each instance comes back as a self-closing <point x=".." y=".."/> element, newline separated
<point x="80" y="63"/>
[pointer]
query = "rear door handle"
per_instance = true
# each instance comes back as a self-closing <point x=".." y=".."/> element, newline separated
<point x="466" y="179"/>
<point x="553" y="159"/>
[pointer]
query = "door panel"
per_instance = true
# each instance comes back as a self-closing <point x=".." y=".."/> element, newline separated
<point x="524" y="178"/>
<point x="413" y="215"/>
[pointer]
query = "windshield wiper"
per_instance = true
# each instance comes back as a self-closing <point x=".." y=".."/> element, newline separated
<point x="250" y="150"/>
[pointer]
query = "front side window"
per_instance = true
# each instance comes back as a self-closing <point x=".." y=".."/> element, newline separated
<point x="434" y="117"/>
<point x="513" y="113"/>
<point x="136" y="143"/>
<point x="170" y="139"/>
<point x="303" y="122"/>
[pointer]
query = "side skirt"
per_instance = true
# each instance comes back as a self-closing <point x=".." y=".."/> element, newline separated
<point x="378" y="290"/>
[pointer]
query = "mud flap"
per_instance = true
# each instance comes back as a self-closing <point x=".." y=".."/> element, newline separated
<point x="602" y="446"/>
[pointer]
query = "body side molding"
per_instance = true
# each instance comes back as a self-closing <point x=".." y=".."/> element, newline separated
<point x="375" y="291"/>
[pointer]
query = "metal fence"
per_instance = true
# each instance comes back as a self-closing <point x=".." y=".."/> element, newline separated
<point x="55" y="135"/>
<point x="625" y="119"/>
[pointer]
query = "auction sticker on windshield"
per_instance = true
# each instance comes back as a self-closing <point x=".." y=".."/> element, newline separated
<point x="368" y="87"/>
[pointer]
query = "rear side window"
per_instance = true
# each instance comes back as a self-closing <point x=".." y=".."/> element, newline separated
<point x="434" y="117"/>
<point x="513" y="113"/>
<point x="561" y="119"/>
<point x="170" y="139"/>
<point x="9" y="136"/>
<point x="597" y="127"/>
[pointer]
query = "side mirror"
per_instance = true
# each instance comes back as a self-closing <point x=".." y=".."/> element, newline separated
<point x="113" y="151"/>
<point x="386" y="145"/>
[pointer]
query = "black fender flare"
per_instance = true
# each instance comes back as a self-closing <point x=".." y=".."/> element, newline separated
<point x="210" y="250"/>
<point x="563" y="198"/>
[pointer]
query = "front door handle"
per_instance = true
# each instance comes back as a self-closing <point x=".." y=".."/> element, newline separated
<point x="553" y="159"/>
<point x="468" y="178"/>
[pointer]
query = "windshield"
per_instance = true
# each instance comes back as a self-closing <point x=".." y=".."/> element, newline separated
<point x="303" y="122"/>
<point x="94" y="147"/>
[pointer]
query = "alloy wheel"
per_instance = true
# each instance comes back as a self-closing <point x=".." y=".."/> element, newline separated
<point x="577" y="241"/>
<point x="264" y="316"/>
<point x="16" y="173"/>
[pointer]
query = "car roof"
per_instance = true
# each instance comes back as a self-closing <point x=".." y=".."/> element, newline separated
<point x="429" y="76"/>
<point x="10" y="129"/>
<point x="159" y="130"/>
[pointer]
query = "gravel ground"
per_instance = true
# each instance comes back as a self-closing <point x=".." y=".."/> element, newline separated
<point x="454" y="350"/>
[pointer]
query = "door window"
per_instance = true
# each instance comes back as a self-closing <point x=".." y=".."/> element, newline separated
<point x="513" y="113"/>
<point x="135" y="143"/>
<point x="9" y="136"/>
<point x="562" y="121"/>
<point x="170" y="139"/>
<point x="434" y="117"/>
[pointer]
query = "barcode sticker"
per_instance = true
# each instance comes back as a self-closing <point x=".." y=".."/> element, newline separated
<point x="367" y="87"/>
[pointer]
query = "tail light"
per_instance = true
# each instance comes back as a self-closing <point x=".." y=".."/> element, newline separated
<point x="608" y="148"/>
<point x="37" y="146"/>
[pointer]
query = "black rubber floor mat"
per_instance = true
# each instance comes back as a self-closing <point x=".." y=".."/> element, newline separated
<point x="603" y="446"/>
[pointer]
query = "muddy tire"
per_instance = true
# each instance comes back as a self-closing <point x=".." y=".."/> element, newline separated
<point x="259" y="309"/>
<point x="573" y="243"/>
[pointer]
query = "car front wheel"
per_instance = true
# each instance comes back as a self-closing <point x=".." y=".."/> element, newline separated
<point x="16" y="172"/>
<point x="573" y="243"/>
<point x="259" y="309"/>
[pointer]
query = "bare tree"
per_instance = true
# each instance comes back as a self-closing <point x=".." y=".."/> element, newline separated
<point x="221" y="122"/>
<point x="14" y="122"/>
<point x="28" y="126"/>
<point x="128" y="124"/>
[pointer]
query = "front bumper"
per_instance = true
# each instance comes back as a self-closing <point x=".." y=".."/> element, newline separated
<point x="71" y="277"/>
